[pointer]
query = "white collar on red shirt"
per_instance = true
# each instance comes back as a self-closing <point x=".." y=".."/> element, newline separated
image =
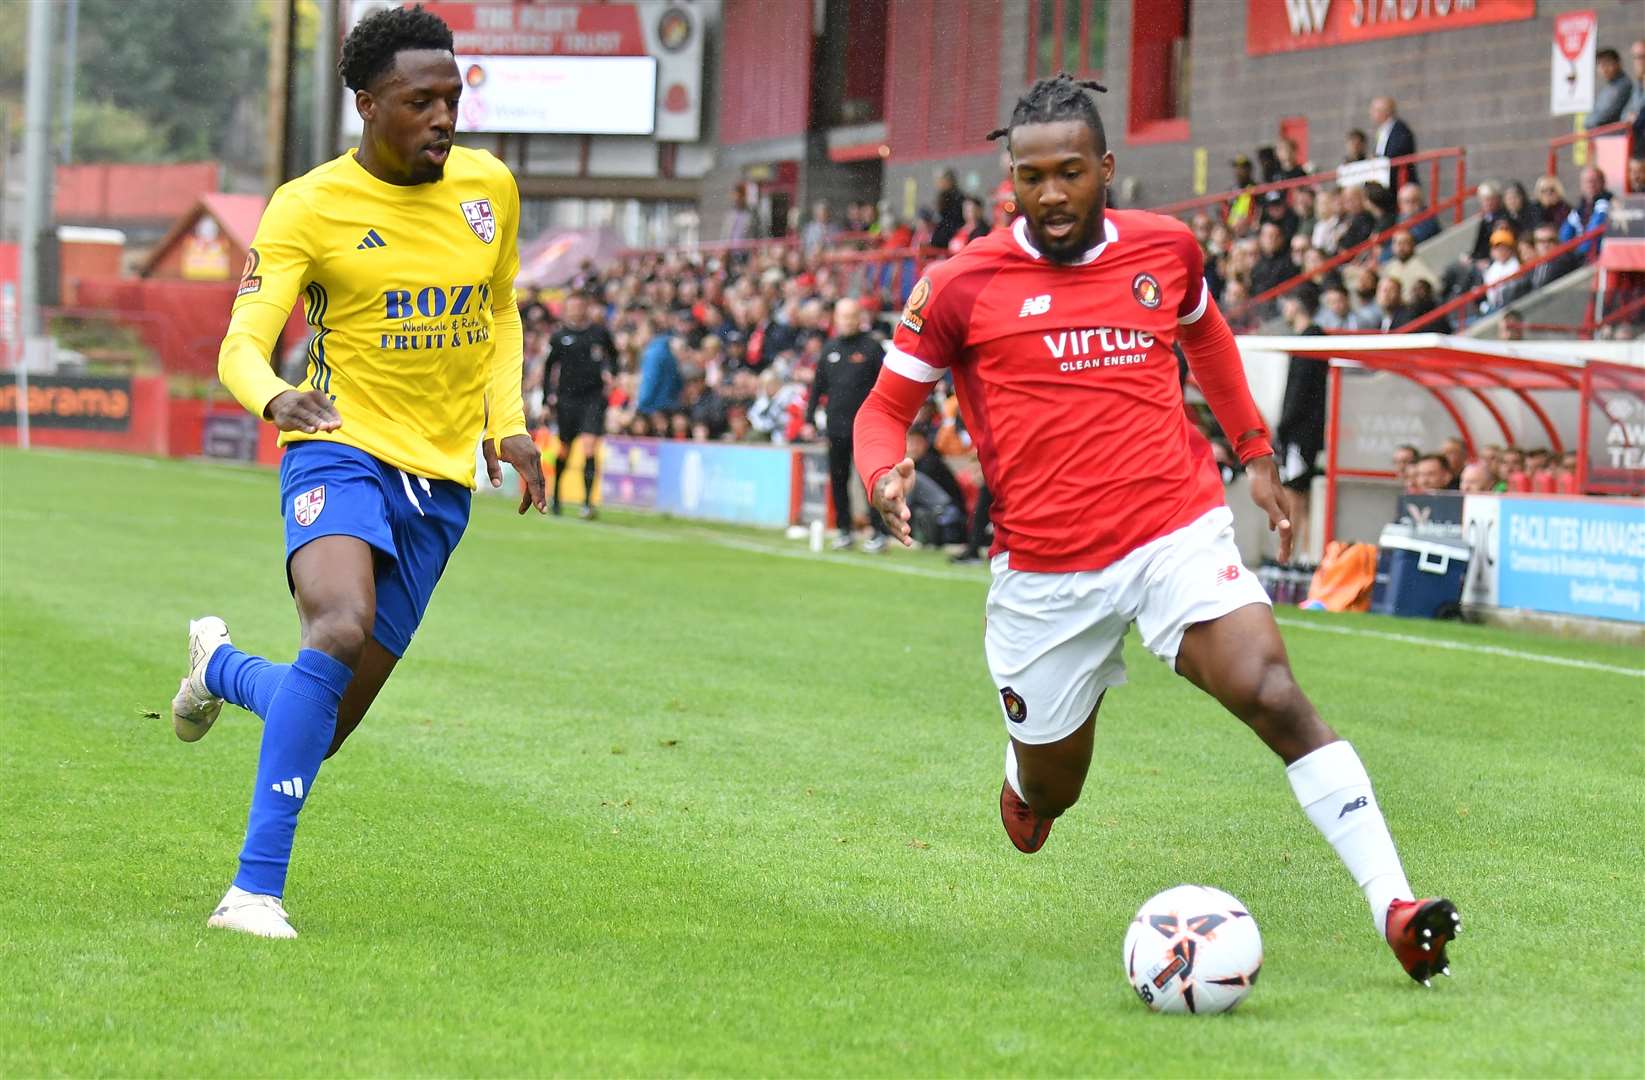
<point x="1019" y="230"/>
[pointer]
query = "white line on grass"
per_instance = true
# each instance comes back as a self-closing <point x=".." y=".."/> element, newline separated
<point x="1461" y="646"/>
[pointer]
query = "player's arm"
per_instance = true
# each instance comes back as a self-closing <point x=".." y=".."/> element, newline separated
<point x="276" y="266"/>
<point x="927" y="339"/>
<point x="506" y="436"/>
<point x="1213" y="357"/>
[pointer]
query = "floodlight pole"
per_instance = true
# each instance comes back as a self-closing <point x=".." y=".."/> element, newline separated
<point x="36" y="197"/>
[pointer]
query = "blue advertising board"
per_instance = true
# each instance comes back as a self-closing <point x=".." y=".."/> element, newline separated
<point x="1572" y="557"/>
<point x="747" y="484"/>
<point x="628" y="473"/>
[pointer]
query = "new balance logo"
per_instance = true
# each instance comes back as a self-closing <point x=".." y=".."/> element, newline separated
<point x="1035" y="305"/>
<point x="372" y="240"/>
<point x="1349" y="808"/>
<point x="1227" y="574"/>
<point x="292" y="787"/>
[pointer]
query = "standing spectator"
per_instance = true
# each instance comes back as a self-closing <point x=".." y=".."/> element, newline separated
<point x="1389" y="309"/>
<point x="660" y="383"/>
<point x="818" y="232"/>
<point x="1491" y="215"/>
<point x="850" y="363"/>
<point x="973" y="227"/>
<point x="1455" y="452"/>
<point x="1394" y="138"/>
<point x="1590" y="213"/>
<point x="1301" y="428"/>
<point x="1405" y="265"/>
<point x="1522" y="218"/>
<point x="739" y="223"/>
<point x="1612" y="89"/>
<point x="1411" y="204"/>
<point x="950" y="211"/>
<point x="1274" y="267"/>
<point x="1240" y="210"/>
<point x="1285" y="154"/>
<point x="1504" y="264"/>
<point x="1353" y="146"/>
<point x="1552" y="208"/>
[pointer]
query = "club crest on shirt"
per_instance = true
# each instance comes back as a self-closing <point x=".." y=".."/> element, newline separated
<point x="307" y="506"/>
<point x="1016" y="709"/>
<point x="1146" y="290"/>
<point x="477" y="212"/>
<point x="913" y="313"/>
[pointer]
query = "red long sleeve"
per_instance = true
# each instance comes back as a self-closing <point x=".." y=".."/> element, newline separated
<point x="1213" y="357"/>
<point x="880" y="436"/>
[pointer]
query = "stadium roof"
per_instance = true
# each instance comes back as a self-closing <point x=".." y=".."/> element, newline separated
<point x="236" y="215"/>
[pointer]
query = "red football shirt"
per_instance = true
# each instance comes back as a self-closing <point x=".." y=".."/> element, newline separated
<point x="1068" y="384"/>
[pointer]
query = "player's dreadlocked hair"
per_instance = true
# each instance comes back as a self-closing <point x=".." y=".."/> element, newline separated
<point x="1060" y="97"/>
<point x="370" y="47"/>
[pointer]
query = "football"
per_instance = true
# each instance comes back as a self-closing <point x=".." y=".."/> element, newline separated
<point x="1192" y="949"/>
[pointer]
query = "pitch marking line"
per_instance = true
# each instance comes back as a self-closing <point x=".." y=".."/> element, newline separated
<point x="1462" y="646"/>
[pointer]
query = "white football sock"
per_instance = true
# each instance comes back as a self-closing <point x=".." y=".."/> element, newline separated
<point x="1334" y="790"/>
<point x="1011" y="768"/>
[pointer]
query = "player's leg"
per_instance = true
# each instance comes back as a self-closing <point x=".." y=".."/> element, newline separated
<point x="1054" y="647"/>
<point x="839" y="488"/>
<point x="333" y="580"/>
<point x="567" y="427"/>
<point x="376" y="665"/>
<point x="589" y="443"/>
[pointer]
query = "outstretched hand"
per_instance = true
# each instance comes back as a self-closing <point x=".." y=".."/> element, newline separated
<point x="307" y="411"/>
<point x="520" y="452"/>
<point x="1266" y="493"/>
<point x="890" y="498"/>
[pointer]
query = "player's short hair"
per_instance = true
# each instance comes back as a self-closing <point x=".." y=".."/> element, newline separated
<point x="370" y="48"/>
<point x="1054" y="99"/>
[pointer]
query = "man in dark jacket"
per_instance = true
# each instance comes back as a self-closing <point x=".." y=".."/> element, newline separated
<point x="1301" y="430"/>
<point x="846" y="372"/>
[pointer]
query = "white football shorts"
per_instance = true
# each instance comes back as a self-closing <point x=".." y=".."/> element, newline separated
<point x="1055" y="641"/>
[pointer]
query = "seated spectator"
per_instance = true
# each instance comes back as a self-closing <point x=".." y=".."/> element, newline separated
<point x="1504" y="264"/>
<point x="1405" y="461"/>
<point x="1406" y="265"/>
<point x="938" y="502"/>
<point x="1636" y="101"/>
<point x="1455" y="453"/>
<point x="1591" y="213"/>
<point x="1241" y="210"/>
<point x="1274" y="267"/>
<point x="1313" y="264"/>
<point x="1552" y="209"/>
<point x="737" y="427"/>
<point x="1358" y="221"/>
<point x="1300" y="247"/>
<point x="1236" y="307"/>
<point x="1476" y="479"/>
<point x="1612" y="89"/>
<point x="1302" y="202"/>
<point x="1432" y="473"/>
<point x="1334" y="313"/>
<point x="1491" y="215"/>
<point x="1362" y="295"/>
<point x="1277" y="209"/>
<point x="1522" y="217"/>
<point x="973" y="226"/>
<point x="1380" y="202"/>
<point x="1419" y="301"/>
<point x="1410" y="203"/>
<point x="1512" y="327"/>
<point x="1544" y="239"/>
<point x="1329" y="222"/>
<point x="1285" y="159"/>
<point x="1636" y="171"/>
<point x="1388" y="313"/>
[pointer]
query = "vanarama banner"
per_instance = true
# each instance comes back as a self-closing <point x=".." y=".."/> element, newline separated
<point x="86" y="403"/>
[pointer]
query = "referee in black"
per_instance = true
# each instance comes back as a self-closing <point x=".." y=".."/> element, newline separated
<point x="846" y="371"/>
<point x="582" y="364"/>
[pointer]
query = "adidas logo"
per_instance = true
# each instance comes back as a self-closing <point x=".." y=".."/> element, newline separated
<point x="372" y="240"/>
<point x="292" y="787"/>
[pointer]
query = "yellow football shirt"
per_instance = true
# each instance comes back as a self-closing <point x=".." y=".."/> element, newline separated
<point x="409" y="295"/>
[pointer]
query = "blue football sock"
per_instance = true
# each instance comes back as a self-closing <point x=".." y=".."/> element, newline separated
<point x="243" y="679"/>
<point x="297" y="733"/>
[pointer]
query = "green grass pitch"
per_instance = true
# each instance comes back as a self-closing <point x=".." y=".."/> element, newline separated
<point x="650" y="798"/>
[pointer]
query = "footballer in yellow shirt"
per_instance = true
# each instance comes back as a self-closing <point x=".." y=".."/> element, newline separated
<point x="403" y="253"/>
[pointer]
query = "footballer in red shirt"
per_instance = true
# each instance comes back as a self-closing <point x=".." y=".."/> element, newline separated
<point x="1108" y="508"/>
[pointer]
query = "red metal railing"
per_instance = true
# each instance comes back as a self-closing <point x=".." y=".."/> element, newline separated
<point x="1621" y="127"/>
<point x="1469" y="300"/>
<point x="890" y="271"/>
<point x="1374" y="241"/>
<point x="715" y="247"/>
<point x="1399" y="167"/>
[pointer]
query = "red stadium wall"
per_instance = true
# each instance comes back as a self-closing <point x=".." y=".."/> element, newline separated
<point x="927" y="114"/>
<point x="765" y="70"/>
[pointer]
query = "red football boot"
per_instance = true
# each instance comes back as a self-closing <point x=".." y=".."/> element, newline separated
<point x="1026" y="829"/>
<point x="1418" y="931"/>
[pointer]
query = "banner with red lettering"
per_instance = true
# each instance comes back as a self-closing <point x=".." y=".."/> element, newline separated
<point x="1572" y="86"/>
<point x="1286" y="25"/>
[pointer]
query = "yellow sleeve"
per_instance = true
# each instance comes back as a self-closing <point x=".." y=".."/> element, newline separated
<point x="505" y="412"/>
<point x="275" y="270"/>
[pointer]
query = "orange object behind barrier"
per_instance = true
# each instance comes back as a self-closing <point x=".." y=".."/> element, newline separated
<point x="1344" y="578"/>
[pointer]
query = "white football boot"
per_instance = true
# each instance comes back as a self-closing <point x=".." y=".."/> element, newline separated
<point x="251" y="913"/>
<point x="195" y="708"/>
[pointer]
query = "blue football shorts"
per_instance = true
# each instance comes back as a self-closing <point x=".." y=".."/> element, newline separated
<point x="413" y="524"/>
